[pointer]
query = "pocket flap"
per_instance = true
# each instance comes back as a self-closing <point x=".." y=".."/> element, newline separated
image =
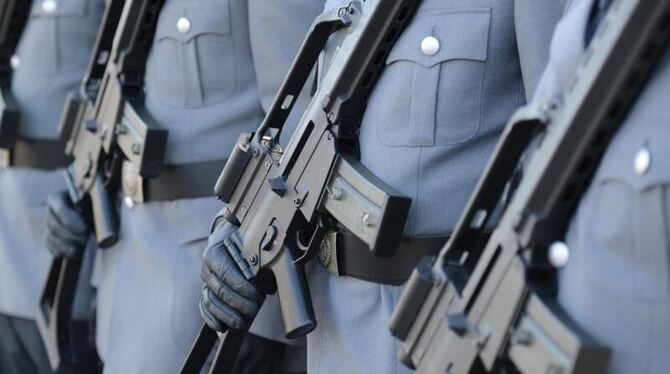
<point x="639" y="163"/>
<point x="215" y="21"/>
<point x="447" y="27"/>
<point x="59" y="8"/>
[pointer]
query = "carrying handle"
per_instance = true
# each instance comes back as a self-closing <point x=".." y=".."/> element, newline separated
<point x="517" y="136"/>
<point x="323" y="27"/>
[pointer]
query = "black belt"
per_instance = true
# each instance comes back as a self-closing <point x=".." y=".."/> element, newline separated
<point x="38" y="154"/>
<point x="354" y="258"/>
<point x="182" y="181"/>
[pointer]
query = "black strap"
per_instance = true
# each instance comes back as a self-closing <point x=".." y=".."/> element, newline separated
<point x="38" y="154"/>
<point x="354" y="258"/>
<point x="184" y="181"/>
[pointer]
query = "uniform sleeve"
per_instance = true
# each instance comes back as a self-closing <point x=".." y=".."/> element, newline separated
<point x="535" y="21"/>
<point x="276" y="33"/>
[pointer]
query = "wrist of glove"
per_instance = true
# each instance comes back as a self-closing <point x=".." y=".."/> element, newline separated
<point x="67" y="231"/>
<point x="228" y="298"/>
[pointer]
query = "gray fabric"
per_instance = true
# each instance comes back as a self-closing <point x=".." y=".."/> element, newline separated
<point x="564" y="52"/>
<point x="443" y="114"/>
<point x="352" y="334"/>
<point x="201" y="85"/>
<point x="149" y="286"/>
<point x="458" y="101"/>
<point x="617" y="283"/>
<point x="53" y="53"/>
<point x="277" y="31"/>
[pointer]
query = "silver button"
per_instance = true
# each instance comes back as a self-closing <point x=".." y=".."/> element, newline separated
<point x="49" y="6"/>
<point x="130" y="204"/>
<point x="559" y="254"/>
<point x="430" y="46"/>
<point x="183" y="25"/>
<point x="642" y="161"/>
<point x="15" y="62"/>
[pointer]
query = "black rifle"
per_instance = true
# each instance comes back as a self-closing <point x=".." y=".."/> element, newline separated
<point x="105" y="124"/>
<point x="285" y="201"/>
<point x="13" y="18"/>
<point x="492" y="307"/>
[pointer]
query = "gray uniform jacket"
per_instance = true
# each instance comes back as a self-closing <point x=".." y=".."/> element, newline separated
<point x="444" y="111"/>
<point x="51" y="58"/>
<point x="430" y="125"/>
<point x="617" y="283"/>
<point x="200" y="84"/>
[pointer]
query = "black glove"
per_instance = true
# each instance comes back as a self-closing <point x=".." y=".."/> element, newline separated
<point x="228" y="298"/>
<point x="67" y="231"/>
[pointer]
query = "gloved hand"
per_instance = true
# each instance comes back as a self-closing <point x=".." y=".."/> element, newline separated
<point x="228" y="298"/>
<point x="67" y="231"/>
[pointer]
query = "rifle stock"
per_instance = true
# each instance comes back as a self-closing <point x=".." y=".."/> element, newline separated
<point x="62" y="315"/>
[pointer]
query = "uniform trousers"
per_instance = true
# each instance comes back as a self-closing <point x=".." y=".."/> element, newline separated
<point x="149" y="286"/>
<point x="24" y="263"/>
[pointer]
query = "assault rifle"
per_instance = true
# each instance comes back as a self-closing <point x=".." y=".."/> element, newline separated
<point x="13" y="18"/>
<point x="104" y="124"/>
<point x="285" y="200"/>
<point x="492" y="307"/>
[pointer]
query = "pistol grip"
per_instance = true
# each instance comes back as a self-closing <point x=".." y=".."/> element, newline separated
<point x="294" y="298"/>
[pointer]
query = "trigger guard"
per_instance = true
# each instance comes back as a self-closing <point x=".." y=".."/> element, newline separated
<point x="308" y="250"/>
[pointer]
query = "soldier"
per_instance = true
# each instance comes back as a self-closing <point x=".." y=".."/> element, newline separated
<point x="50" y="60"/>
<point x="452" y="80"/>
<point x="616" y="282"/>
<point x="203" y="82"/>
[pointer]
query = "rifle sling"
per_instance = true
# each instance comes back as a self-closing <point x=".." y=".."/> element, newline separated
<point x="182" y="181"/>
<point x="38" y="154"/>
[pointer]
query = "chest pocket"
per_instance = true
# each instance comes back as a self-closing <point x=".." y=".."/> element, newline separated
<point x="48" y="43"/>
<point x="433" y="82"/>
<point x="626" y="225"/>
<point x="195" y="54"/>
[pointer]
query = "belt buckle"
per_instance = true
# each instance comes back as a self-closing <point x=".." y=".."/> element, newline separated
<point x="328" y="253"/>
<point x="132" y="185"/>
<point x="5" y="158"/>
